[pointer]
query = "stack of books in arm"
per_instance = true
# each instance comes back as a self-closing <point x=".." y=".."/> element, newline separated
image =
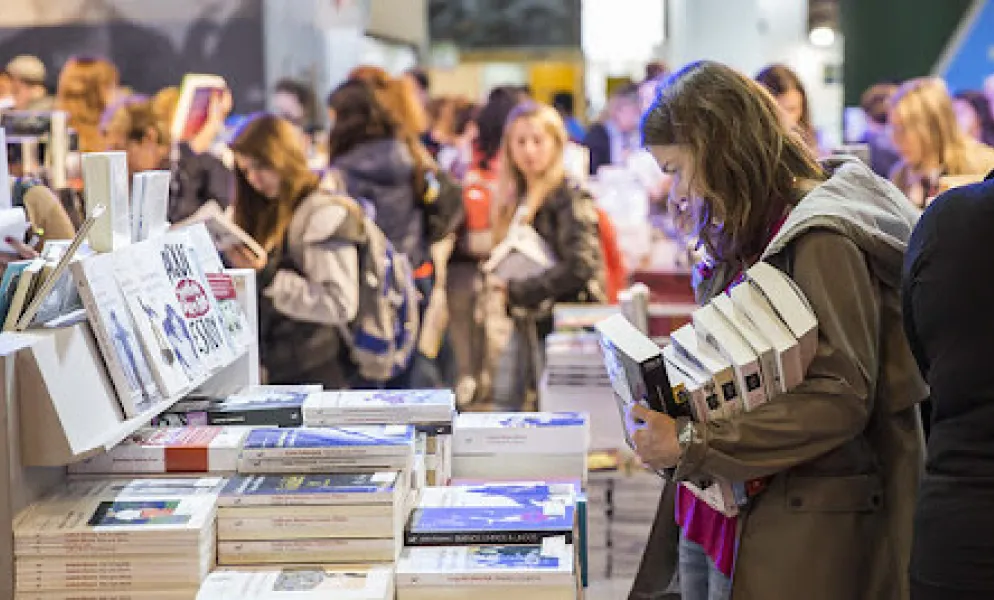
<point x="430" y="412"/>
<point x="170" y="450"/>
<point x="141" y="540"/>
<point x="741" y="351"/>
<point x="257" y="405"/>
<point x="529" y="572"/>
<point x="575" y="380"/>
<point x="516" y="446"/>
<point x="300" y="583"/>
<point x="327" y="519"/>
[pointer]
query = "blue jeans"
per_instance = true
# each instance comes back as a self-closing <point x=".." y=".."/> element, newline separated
<point x="699" y="578"/>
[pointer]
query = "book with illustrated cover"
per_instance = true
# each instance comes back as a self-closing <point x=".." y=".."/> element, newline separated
<point x="163" y="330"/>
<point x="319" y="490"/>
<point x="790" y="305"/>
<point x="714" y="330"/>
<point x="196" y="299"/>
<point x="385" y="407"/>
<point x="703" y="355"/>
<point x="221" y="284"/>
<point x="754" y="337"/>
<point x="116" y="334"/>
<point x="463" y="566"/>
<point x="330" y="442"/>
<point x="521" y="433"/>
<point x="637" y="371"/>
<point x="299" y="583"/>
<point x="170" y="450"/>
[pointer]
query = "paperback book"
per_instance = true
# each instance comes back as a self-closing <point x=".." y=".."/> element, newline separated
<point x="299" y="583"/>
<point x="759" y="343"/>
<point x="790" y="305"/>
<point x="715" y="331"/>
<point x="521" y="433"/>
<point x="694" y="350"/>
<point x="221" y="284"/>
<point x="514" y="567"/>
<point x="360" y="407"/>
<point x="330" y="442"/>
<point x="752" y="305"/>
<point x="105" y="179"/>
<point x="321" y="490"/>
<point x="262" y="408"/>
<point x="170" y="450"/>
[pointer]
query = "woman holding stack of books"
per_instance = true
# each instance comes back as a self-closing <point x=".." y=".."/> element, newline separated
<point x="832" y="465"/>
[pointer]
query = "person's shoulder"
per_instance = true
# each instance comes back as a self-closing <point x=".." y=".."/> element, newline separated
<point x="596" y="132"/>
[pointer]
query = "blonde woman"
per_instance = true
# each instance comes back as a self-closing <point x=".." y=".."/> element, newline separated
<point x="930" y="141"/>
<point x="86" y="87"/>
<point x="533" y="190"/>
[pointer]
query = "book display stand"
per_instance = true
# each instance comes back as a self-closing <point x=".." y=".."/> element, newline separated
<point x="58" y="406"/>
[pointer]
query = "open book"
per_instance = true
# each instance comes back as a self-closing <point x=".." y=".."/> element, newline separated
<point x="523" y="254"/>
<point x="224" y="232"/>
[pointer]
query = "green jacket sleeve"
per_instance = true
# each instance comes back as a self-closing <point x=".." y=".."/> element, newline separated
<point x="834" y="402"/>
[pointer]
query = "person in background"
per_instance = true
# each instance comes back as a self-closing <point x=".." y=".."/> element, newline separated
<point x="132" y="127"/>
<point x="973" y="112"/>
<point x="655" y="74"/>
<point x="87" y="86"/>
<point x="456" y="158"/>
<point x="309" y="289"/>
<point x="565" y="103"/>
<point x="441" y="123"/>
<point x="832" y="465"/>
<point x="27" y="78"/>
<point x="786" y="87"/>
<point x="875" y="103"/>
<point x="294" y="101"/>
<point x="421" y="83"/>
<point x="6" y="91"/>
<point x="930" y="141"/>
<point x="612" y="141"/>
<point x="533" y="190"/>
<point x="947" y="299"/>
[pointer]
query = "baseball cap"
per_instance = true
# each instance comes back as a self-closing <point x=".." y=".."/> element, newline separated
<point x="27" y="68"/>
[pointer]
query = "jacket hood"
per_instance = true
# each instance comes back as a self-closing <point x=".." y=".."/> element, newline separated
<point x="384" y="162"/>
<point x="860" y="205"/>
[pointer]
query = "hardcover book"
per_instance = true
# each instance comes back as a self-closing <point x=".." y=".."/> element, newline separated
<point x="330" y="442"/>
<point x="115" y="332"/>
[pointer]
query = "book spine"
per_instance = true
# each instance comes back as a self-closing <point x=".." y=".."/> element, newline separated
<point x="277" y="466"/>
<point x="307" y="551"/>
<point x="292" y="527"/>
<point x="482" y="538"/>
<point x="771" y="374"/>
<point x="732" y="403"/>
<point x="660" y="391"/>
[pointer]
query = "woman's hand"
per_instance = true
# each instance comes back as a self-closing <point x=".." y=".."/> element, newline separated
<point x="655" y="438"/>
<point x="240" y="257"/>
<point x="22" y="251"/>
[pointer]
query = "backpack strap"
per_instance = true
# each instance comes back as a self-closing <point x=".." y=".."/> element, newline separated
<point x="352" y="228"/>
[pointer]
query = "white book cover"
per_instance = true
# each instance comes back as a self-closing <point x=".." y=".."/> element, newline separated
<point x="193" y="293"/>
<point x="161" y="326"/>
<point x="760" y="345"/>
<point x="294" y="465"/>
<point x="444" y="566"/>
<point x="300" y="523"/>
<point x="105" y="182"/>
<point x="137" y="183"/>
<point x="5" y="185"/>
<point x="299" y="583"/>
<point x="116" y="335"/>
<point x="711" y="361"/>
<point x="327" y="550"/>
<point x="682" y="369"/>
<point x="222" y="286"/>
<point x="714" y="330"/>
<point x="161" y="487"/>
<point x="149" y="204"/>
<point x="754" y="306"/>
<point x="521" y="433"/>
<point x="790" y="305"/>
<point x="171" y="450"/>
<point x="380" y="407"/>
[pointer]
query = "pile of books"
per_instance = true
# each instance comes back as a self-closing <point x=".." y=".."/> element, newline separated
<point x="149" y="539"/>
<point x="430" y="412"/>
<point x="324" y="519"/>
<point x="742" y="350"/>
<point x="520" y="446"/>
<point x="489" y="541"/>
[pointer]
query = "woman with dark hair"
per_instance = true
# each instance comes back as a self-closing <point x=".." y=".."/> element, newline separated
<point x="790" y="94"/>
<point x="831" y="467"/>
<point x="973" y="111"/>
<point x="309" y="289"/>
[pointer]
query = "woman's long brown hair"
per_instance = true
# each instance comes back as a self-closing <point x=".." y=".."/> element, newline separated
<point x="748" y="166"/>
<point x="83" y="90"/>
<point x="275" y="144"/>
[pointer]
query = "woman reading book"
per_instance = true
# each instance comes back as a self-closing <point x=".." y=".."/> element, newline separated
<point x="831" y="467"/>
<point x="309" y="288"/>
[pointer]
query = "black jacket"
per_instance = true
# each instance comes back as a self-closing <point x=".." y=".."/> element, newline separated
<point x="598" y="142"/>
<point x="197" y="179"/>
<point x="948" y="295"/>
<point x="568" y="223"/>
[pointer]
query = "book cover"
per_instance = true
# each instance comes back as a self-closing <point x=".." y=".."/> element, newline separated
<point x="790" y="305"/>
<point x="330" y="442"/>
<point x="720" y="369"/>
<point x="482" y="525"/>
<point x="521" y="433"/>
<point x="164" y="332"/>
<point x="760" y="345"/>
<point x="714" y="330"/>
<point x="380" y="407"/>
<point x="150" y="205"/>
<point x="341" y="488"/>
<point x="8" y="285"/>
<point x="115" y="331"/>
<point x="299" y="583"/>
<point x="485" y="565"/>
<point x="27" y="282"/>
<point x="224" y="234"/>
<point x="522" y="254"/>
<point x="197" y="93"/>
<point x="171" y="450"/>
<point x="196" y="300"/>
<point x="105" y="181"/>
<point x="683" y="371"/>
<point x="179" y="487"/>
<point x="754" y="306"/>
<point x="349" y="464"/>
<point x="637" y="371"/>
<point x="330" y="550"/>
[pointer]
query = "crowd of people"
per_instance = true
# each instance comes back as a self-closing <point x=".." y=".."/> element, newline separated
<point x="834" y="465"/>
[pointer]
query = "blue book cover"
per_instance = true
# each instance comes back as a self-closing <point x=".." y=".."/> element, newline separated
<point x="8" y="285"/>
<point x="488" y="525"/>
<point x="511" y="557"/>
<point x="299" y="485"/>
<point x="324" y="441"/>
<point x="396" y="398"/>
<point x="261" y="401"/>
<point x="524" y="495"/>
<point x="558" y="419"/>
